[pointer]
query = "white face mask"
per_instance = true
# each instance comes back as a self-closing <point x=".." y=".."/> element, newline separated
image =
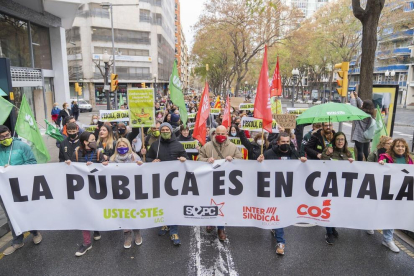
<point x="260" y="142"/>
<point x="233" y="134"/>
<point x="95" y="121"/>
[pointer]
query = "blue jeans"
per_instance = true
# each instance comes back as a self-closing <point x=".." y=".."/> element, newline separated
<point x="16" y="239"/>
<point x="388" y="234"/>
<point x="279" y="235"/>
<point x="173" y="229"/>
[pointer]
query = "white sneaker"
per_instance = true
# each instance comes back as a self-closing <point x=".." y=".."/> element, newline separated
<point x="391" y="245"/>
<point x="370" y="232"/>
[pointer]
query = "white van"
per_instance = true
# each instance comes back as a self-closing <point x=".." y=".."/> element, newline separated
<point x="83" y="105"/>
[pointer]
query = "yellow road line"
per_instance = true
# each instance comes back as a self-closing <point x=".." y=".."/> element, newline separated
<point x="402" y="247"/>
<point x="25" y="235"/>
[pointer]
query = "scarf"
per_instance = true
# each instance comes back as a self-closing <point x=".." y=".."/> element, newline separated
<point x="127" y="158"/>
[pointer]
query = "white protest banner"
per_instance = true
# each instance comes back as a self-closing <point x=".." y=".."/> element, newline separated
<point x="253" y="124"/>
<point x="271" y="194"/>
<point x="296" y="111"/>
<point x="246" y="106"/>
<point x="114" y="115"/>
<point x="89" y="128"/>
<point x="190" y="146"/>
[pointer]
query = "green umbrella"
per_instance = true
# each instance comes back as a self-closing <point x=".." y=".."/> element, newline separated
<point x="331" y="112"/>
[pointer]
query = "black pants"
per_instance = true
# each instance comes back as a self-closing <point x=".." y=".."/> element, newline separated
<point x="76" y="115"/>
<point x="363" y="149"/>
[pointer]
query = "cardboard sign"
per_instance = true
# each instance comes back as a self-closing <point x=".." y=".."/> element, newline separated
<point x="286" y="120"/>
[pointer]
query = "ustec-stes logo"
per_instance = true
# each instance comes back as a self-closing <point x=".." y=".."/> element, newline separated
<point x="204" y="212"/>
<point x="315" y="212"/>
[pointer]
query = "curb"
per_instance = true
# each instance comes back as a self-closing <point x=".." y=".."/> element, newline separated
<point x="404" y="237"/>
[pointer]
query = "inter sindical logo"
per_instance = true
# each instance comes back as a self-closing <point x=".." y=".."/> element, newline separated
<point x="260" y="214"/>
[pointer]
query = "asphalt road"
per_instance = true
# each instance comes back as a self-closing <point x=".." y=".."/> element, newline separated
<point x="248" y="251"/>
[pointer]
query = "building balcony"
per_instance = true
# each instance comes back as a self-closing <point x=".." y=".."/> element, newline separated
<point x="397" y="35"/>
<point x="412" y="83"/>
<point x="395" y="67"/>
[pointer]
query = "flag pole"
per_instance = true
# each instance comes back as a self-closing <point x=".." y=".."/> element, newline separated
<point x="11" y="149"/>
<point x="143" y="142"/>
<point x="262" y="141"/>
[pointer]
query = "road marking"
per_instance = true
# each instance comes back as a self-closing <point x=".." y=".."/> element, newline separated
<point x="223" y="263"/>
<point x="398" y="132"/>
<point x="402" y="247"/>
<point x="7" y="238"/>
<point x="407" y="135"/>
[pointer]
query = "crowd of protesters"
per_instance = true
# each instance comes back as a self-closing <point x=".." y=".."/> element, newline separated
<point x="118" y="143"/>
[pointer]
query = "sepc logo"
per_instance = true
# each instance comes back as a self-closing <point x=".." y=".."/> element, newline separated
<point x="211" y="211"/>
<point x="315" y="212"/>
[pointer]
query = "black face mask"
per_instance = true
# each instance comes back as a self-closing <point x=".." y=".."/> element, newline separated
<point x="73" y="136"/>
<point x="284" y="147"/>
<point x="121" y="130"/>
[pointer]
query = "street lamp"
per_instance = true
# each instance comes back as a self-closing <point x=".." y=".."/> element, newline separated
<point x="105" y="59"/>
<point x="295" y="74"/>
<point x="389" y="75"/>
<point x="155" y="83"/>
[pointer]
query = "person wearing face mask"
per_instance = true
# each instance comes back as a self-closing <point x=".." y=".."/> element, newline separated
<point x="55" y="114"/>
<point x="94" y="120"/>
<point x="88" y="153"/>
<point x="186" y="137"/>
<point x="64" y="131"/>
<point x="19" y="154"/>
<point x="219" y="148"/>
<point x="167" y="148"/>
<point x="337" y="151"/>
<point x="68" y="146"/>
<point x="254" y="148"/>
<point x="121" y="131"/>
<point x="281" y="151"/>
<point x="124" y="154"/>
<point x="234" y="131"/>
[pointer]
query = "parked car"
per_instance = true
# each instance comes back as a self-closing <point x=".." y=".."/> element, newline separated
<point x="84" y="106"/>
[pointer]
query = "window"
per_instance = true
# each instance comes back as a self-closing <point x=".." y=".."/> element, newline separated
<point x="122" y="51"/>
<point x="104" y="34"/>
<point x="96" y="10"/>
<point x="158" y="3"/>
<point x="144" y="16"/>
<point x="41" y="47"/>
<point x="14" y="41"/>
<point x="158" y="19"/>
<point x="73" y="34"/>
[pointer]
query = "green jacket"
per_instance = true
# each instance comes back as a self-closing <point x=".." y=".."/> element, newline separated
<point x="21" y="154"/>
<point x="335" y="155"/>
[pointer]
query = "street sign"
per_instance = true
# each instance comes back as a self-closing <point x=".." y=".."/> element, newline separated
<point x="106" y="87"/>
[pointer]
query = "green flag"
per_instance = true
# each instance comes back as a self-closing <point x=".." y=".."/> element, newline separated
<point x="26" y="127"/>
<point x="53" y="132"/>
<point x="5" y="107"/>
<point x="379" y="131"/>
<point x="176" y="93"/>
<point x="121" y="101"/>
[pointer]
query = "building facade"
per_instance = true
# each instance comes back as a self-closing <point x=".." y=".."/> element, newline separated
<point x="394" y="63"/>
<point x="32" y="38"/>
<point x="307" y="7"/>
<point x="143" y="42"/>
<point x="181" y="49"/>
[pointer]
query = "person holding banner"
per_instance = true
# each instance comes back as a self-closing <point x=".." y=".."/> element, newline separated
<point x="281" y="151"/>
<point x="254" y="148"/>
<point x="319" y="141"/>
<point x="338" y="151"/>
<point x="88" y="153"/>
<point x="106" y="141"/>
<point x="219" y="148"/>
<point x="124" y="154"/>
<point x="14" y="152"/>
<point x="68" y="146"/>
<point x="186" y="137"/>
<point x="397" y="153"/>
<point x="167" y="148"/>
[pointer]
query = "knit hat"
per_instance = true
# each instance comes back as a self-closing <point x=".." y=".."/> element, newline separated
<point x="167" y="125"/>
<point x="175" y="117"/>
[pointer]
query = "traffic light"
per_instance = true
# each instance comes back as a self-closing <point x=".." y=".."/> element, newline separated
<point x="342" y="78"/>
<point x="143" y="84"/>
<point x="77" y="87"/>
<point x="114" y="82"/>
<point x="80" y="91"/>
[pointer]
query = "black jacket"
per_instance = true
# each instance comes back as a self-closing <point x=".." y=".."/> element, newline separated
<point x="274" y="153"/>
<point x="75" y="109"/>
<point x="169" y="150"/>
<point x="253" y="149"/>
<point x="189" y="138"/>
<point x="315" y="145"/>
<point x="67" y="147"/>
<point x="63" y="114"/>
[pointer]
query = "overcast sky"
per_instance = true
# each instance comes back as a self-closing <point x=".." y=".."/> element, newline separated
<point x="190" y="11"/>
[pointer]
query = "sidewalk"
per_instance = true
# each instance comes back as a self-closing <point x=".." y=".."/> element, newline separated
<point x="404" y="117"/>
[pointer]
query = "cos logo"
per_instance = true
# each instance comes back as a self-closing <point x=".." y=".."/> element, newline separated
<point x="315" y="211"/>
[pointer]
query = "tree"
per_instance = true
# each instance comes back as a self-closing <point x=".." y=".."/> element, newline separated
<point x="369" y="18"/>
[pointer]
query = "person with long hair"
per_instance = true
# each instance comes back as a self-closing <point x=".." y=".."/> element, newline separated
<point x="360" y="126"/>
<point x="397" y="153"/>
<point x="125" y="154"/>
<point x="106" y="141"/>
<point x="384" y="144"/>
<point x="338" y="151"/>
<point x="88" y="153"/>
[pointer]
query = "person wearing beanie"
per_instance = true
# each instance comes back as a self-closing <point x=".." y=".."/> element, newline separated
<point x="167" y="148"/>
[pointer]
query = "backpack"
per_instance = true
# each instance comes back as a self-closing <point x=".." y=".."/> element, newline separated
<point x="370" y="131"/>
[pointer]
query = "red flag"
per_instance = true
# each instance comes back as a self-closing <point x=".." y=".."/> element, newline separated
<point x="217" y="104"/>
<point x="226" y="115"/>
<point x="200" y="127"/>
<point x="276" y="88"/>
<point x="262" y="107"/>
